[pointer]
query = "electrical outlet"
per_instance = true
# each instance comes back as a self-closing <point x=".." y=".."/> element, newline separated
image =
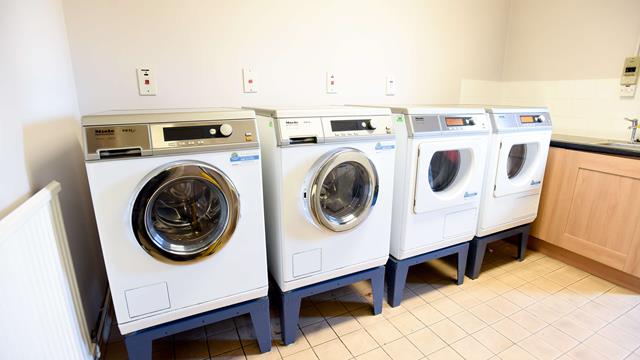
<point x="249" y="81"/>
<point x="146" y="81"/>
<point x="628" y="90"/>
<point x="332" y="87"/>
<point x="390" y="88"/>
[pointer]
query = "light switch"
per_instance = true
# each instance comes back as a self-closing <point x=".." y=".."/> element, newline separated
<point x="332" y="87"/>
<point x="146" y="81"/>
<point x="390" y="88"/>
<point x="249" y="81"/>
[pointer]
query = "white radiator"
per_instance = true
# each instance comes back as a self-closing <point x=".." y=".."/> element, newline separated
<point x="41" y="316"/>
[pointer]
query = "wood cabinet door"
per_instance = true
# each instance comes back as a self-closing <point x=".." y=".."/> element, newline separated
<point x="590" y="205"/>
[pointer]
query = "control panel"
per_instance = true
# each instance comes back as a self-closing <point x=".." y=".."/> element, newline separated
<point x="295" y="131"/>
<point x="443" y="124"/>
<point x="521" y="121"/>
<point x="197" y="134"/>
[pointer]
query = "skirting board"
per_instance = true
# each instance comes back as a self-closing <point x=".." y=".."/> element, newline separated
<point x="585" y="264"/>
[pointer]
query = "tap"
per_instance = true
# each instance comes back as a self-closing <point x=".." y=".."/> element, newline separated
<point x="634" y="128"/>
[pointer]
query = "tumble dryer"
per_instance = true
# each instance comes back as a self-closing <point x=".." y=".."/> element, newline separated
<point x="516" y="162"/>
<point x="177" y="197"/>
<point x="328" y="179"/>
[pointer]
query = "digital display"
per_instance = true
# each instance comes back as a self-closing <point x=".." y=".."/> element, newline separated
<point x="630" y="69"/>
<point x="189" y="132"/>
<point x="455" y="121"/>
<point x="349" y="125"/>
<point x="526" y="119"/>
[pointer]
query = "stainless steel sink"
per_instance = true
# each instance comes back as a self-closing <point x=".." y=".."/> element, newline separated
<point x="620" y="144"/>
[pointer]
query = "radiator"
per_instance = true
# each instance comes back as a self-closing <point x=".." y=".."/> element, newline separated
<point x="41" y="315"/>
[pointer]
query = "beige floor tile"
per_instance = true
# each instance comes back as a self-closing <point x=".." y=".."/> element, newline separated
<point x="302" y="355"/>
<point x="515" y="352"/>
<point x="191" y="348"/>
<point x="402" y="349"/>
<point x="571" y="297"/>
<point x="622" y="338"/>
<point x="426" y="341"/>
<point x="365" y="316"/>
<point x="237" y="354"/>
<point x="318" y="333"/>
<point x="560" y="304"/>
<point x="486" y="313"/>
<point x="332" y="350"/>
<point x="546" y="285"/>
<point x="607" y="348"/>
<point x="344" y="324"/>
<point x="557" y="339"/>
<point x="309" y="315"/>
<point x="519" y="298"/>
<point x="572" y="328"/>
<point x="545" y="312"/>
<point x="539" y="348"/>
<point x="446" y="353"/>
<point x="464" y="299"/>
<point x="447" y="306"/>
<point x="388" y="311"/>
<point x="411" y="300"/>
<point x="503" y="306"/>
<point x="482" y="293"/>
<point x="591" y="286"/>
<point x="354" y="301"/>
<point x="427" y="314"/>
<point x="448" y="331"/>
<point x="566" y="276"/>
<point x="331" y="308"/>
<point x="253" y="352"/>
<point x="406" y="323"/>
<point x="299" y="345"/>
<point x="628" y="324"/>
<point x="604" y="312"/>
<point x="448" y="288"/>
<point x="223" y="342"/>
<point x="529" y="321"/>
<point x="511" y="329"/>
<point x="377" y="354"/>
<point x="497" y="286"/>
<point x="511" y="279"/>
<point x="492" y="340"/>
<point x="587" y="320"/>
<point x="583" y="352"/>
<point x="359" y="342"/>
<point x="468" y="322"/>
<point x="471" y="349"/>
<point x="428" y="293"/>
<point x="383" y="332"/>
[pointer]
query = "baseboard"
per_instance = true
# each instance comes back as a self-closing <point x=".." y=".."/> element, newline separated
<point x="585" y="264"/>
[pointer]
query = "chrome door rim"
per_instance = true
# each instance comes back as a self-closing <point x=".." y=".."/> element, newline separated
<point x="319" y="173"/>
<point x="165" y="176"/>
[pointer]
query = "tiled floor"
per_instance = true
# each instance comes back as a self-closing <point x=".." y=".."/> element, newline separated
<point x="537" y="309"/>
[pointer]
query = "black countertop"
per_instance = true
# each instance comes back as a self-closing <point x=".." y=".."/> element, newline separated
<point x="590" y="144"/>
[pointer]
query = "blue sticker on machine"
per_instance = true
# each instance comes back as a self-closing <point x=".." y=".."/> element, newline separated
<point x="535" y="182"/>
<point x="380" y="146"/>
<point x="235" y="157"/>
<point x="470" y="194"/>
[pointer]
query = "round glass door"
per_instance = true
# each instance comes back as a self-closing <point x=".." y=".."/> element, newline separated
<point x="443" y="169"/>
<point x="185" y="211"/>
<point x="343" y="189"/>
<point x="516" y="160"/>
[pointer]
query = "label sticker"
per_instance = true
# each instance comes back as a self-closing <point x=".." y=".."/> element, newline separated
<point x="535" y="182"/>
<point x="380" y="146"/>
<point x="270" y="124"/>
<point x="470" y="194"/>
<point x="400" y="119"/>
<point x="235" y="157"/>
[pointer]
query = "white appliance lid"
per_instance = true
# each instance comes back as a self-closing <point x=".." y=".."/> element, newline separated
<point x="150" y="116"/>
<point x="319" y="111"/>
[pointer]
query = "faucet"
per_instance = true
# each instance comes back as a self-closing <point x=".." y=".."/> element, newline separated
<point x="633" y="127"/>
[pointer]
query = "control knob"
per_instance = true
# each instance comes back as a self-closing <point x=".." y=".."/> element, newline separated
<point x="372" y="124"/>
<point x="226" y="130"/>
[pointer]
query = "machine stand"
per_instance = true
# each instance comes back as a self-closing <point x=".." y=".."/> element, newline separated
<point x="479" y="246"/>
<point x="139" y="343"/>
<point x="289" y="302"/>
<point x="397" y="269"/>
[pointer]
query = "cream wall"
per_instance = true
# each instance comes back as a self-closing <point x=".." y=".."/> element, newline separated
<point x="39" y="131"/>
<point x="568" y="55"/>
<point x="198" y="48"/>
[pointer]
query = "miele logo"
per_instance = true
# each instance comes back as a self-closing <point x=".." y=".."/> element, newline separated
<point x="291" y="122"/>
<point x="104" y="132"/>
<point x="128" y="130"/>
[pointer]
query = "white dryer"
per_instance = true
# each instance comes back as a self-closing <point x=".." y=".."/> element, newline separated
<point x="178" y="202"/>
<point x="440" y="164"/>
<point x="516" y="162"/>
<point x="328" y="179"/>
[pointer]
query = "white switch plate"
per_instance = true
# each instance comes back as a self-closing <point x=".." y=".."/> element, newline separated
<point x="332" y="87"/>
<point x="146" y="81"/>
<point x="390" y="88"/>
<point x="249" y="81"/>
<point x="627" y="90"/>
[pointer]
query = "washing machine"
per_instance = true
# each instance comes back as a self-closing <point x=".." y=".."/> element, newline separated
<point x="440" y="164"/>
<point x="516" y="161"/>
<point x="177" y="197"/>
<point x="328" y="180"/>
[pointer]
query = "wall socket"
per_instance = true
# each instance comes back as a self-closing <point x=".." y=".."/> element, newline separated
<point x="146" y="81"/>
<point x="249" y="81"/>
<point x="390" y="87"/>
<point x="332" y="87"/>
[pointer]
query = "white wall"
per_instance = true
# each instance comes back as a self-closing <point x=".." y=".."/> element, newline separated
<point x="568" y="55"/>
<point x="198" y="48"/>
<point x="39" y="130"/>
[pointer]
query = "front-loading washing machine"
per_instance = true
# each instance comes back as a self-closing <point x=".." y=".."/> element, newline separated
<point x="177" y="197"/>
<point x="441" y="154"/>
<point x="328" y="180"/>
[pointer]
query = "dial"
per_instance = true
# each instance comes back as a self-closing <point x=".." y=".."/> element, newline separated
<point x="226" y="130"/>
<point x="373" y="124"/>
